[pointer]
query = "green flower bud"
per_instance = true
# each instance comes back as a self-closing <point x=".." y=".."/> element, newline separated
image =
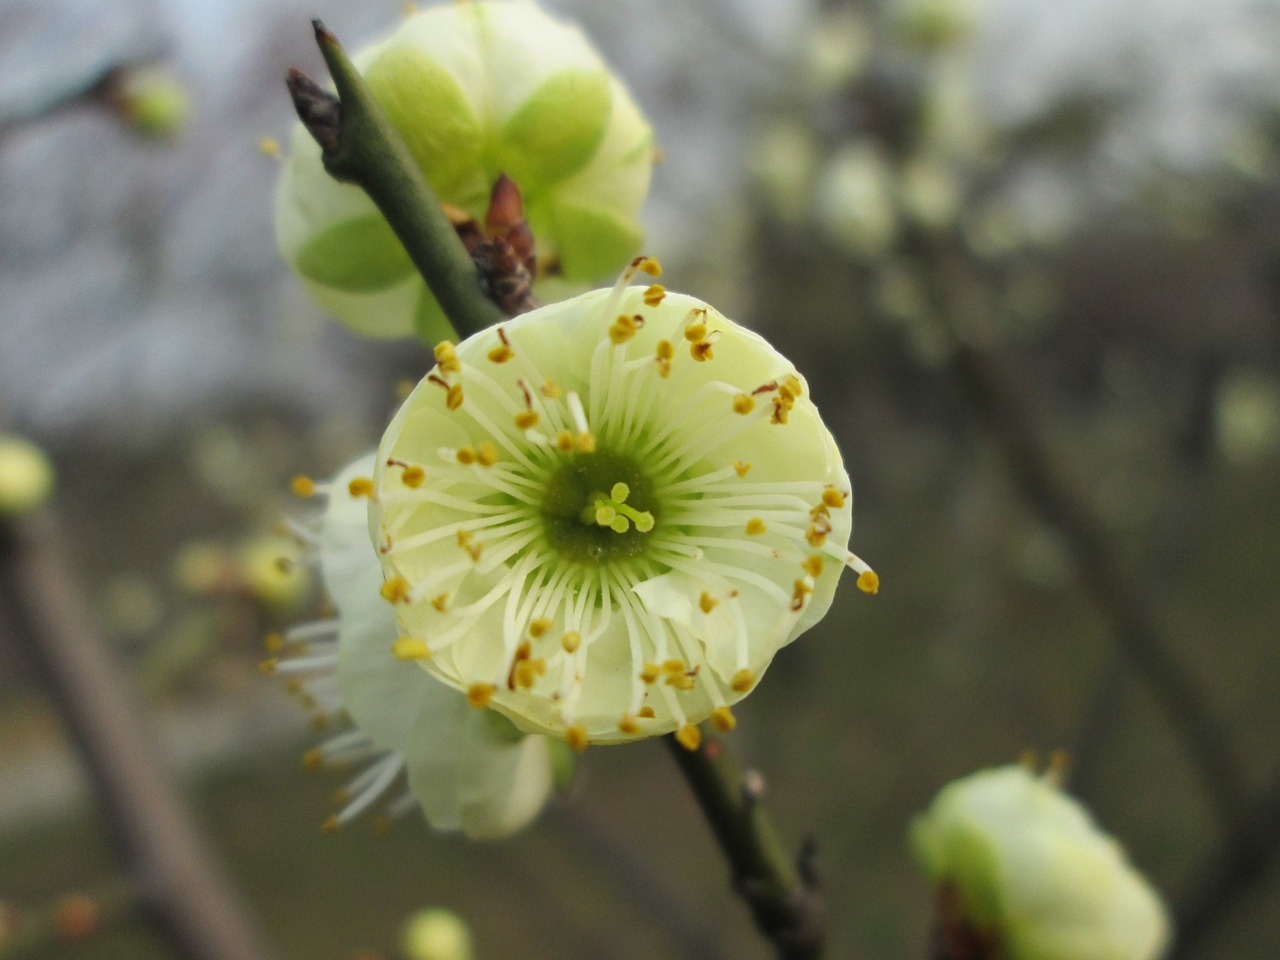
<point x="26" y="476"/>
<point x="436" y="934"/>
<point x="1033" y="875"/>
<point x="153" y="101"/>
<point x="477" y="89"/>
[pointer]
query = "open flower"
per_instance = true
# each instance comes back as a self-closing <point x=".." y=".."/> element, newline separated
<point x="476" y="89"/>
<point x="1024" y="872"/>
<point x="603" y="518"/>
<point x="469" y="771"/>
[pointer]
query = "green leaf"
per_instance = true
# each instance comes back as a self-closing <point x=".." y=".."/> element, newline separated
<point x="358" y="255"/>
<point x="557" y="130"/>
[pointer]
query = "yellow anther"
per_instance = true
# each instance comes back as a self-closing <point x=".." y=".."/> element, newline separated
<point x="550" y="390"/>
<point x="527" y="419"/>
<point x="619" y="492"/>
<point x="743" y="403"/>
<point x="682" y="682"/>
<point x="501" y="353"/>
<point x="722" y="719"/>
<point x="649" y="265"/>
<point x="673" y="667"/>
<point x="486" y="454"/>
<point x="447" y="357"/>
<point x="813" y="565"/>
<point x="869" y="582"/>
<point x="646" y="713"/>
<point x="330" y="825"/>
<point x="791" y="388"/>
<point x="412" y="477"/>
<point x="741" y="467"/>
<point x="625" y="327"/>
<point x="689" y="737"/>
<point x="441" y="602"/>
<point x="665" y="350"/>
<point x="816" y="535"/>
<point x="453" y="400"/>
<point x="269" y="146"/>
<point x="479" y="694"/>
<point x="303" y="486"/>
<point x="627" y="724"/>
<point x="273" y="643"/>
<point x="781" y="409"/>
<point x="833" y="498"/>
<point x="411" y="648"/>
<point x="395" y="590"/>
<point x="269" y="665"/>
<point x="360" y="487"/>
<point x="743" y="681"/>
<point x="707" y="602"/>
<point x="313" y="760"/>
<point x="466" y="456"/>
<point x="650" y="672"/>
<point x="701" y="351"/>
<point x="571" y="641"/>
<point x="587" y="443"/>
<point x="755" y="526"/>
<point x="538" y="627"/>
<point x="524" y="651"/>
<point x="654" y="294"/>
<point x="695" y="332"/>
<point x="564" y="441"/>
<point x="798" y="595"/>
<point x="576" y="735"/>
<point x="526" y="673"/>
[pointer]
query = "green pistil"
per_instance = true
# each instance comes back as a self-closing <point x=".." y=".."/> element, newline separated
<point x="587" y="525"/>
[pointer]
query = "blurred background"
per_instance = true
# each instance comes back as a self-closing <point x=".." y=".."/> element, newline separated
<point x="1028" y="256"/>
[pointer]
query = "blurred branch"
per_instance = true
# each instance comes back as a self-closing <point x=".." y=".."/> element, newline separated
<point x="176" y="879"/>
<point x="361" y="146"/>
<point x="785" y="900"/>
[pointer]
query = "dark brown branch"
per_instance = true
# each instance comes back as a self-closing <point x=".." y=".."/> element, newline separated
<point x="785" y="900"/>
<point x="174" y="872"/>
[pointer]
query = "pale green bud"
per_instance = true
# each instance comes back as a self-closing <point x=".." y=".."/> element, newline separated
<point x="477" y="89"/>
<point x="1034" y="874"/>
<point x="436" y="934"/>
<point x="26" y="476"/>
<point x="854" y="201"/>
<point x="153" y="100"/>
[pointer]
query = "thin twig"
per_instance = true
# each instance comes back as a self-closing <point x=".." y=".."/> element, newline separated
<point x="361" y="146"/>
<point x="785" y="899"/>
<point x="177" y="881"/>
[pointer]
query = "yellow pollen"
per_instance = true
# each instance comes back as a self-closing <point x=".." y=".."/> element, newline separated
<point x="479" y="694"/>
<point x="312" y="760"/>
<point x="412" y="477"/>
<point x="755" y="527"/>
<point x="682" y="682"/>
<point x="570" y="641"/>
<point x="722" y="719"/>
<point x="501" y="354"/>
<point x="447" y="357"/>
<point x="486" y="454"/>
<point x="538" y="627"/>
<point x="527" y="419"/>
<point x="466" y="456"/>
<point x="453" y="400"/>
<point x="666" y="350"/>
<point x="673" y="667"/>
<point x="813" y="565"/>
<point x="587" y="443"/>
<point x="869" y="582"/>
<point x="411" y="648"/>
<point x="650" y="673"/>
<point x="550" y="390"/>
<point x="441" y="602"/>
<point x="741" y="467"/>
<point x="627" y="724"/>
<point x="707" y="602"/>
<point x="649" y="265"/>
<point x="577" y="737"/>
<point x="701" y="351"/>
<point x="653" y="295"/>
<point x="564" y="441"/>
<point x="273" y="642"/>
<point x="395" y="590"/>
<point x="742" y="681"/>
<point x="833" y="498"/>
<point x="526" y="673"/>
<point x="330" y="826"/>
<point x="689" y="737"/>
<point x="801" y="591"/>
<point x="303" y="486"/>
<point x="360" y="487"/>
<point x="625" y="327"/>
<point x="743" y="403"/>
<point x="646" y="713"/>
<point x="269" y="665"/>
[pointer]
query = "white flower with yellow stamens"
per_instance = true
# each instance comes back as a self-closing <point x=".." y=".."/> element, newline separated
<point x="604" y="517"/>
<point x="469" y="771"/>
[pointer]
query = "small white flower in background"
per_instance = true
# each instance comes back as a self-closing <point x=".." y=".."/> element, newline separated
<point x="604" y="517"/>
<point x="1032" y="875"/>
<point x="476" y="89"/>
<point x="26" y="476"/>
<point x="468" y="771"/>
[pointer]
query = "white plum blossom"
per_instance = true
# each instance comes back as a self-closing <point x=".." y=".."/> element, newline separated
<point x="603" y="518"/>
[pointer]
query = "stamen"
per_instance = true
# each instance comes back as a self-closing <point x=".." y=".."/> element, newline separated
<point x="689" y="737"/>
<point x="303" y="486"/>
<point x="722" y="719"/>
<point x="411" y="648"/>
<point x="360" y="487"/>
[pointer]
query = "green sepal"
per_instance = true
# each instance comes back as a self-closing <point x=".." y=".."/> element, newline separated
<point x="591" y="241"/>
<point x="557" y="131"/>
<point x="359" y="255"/>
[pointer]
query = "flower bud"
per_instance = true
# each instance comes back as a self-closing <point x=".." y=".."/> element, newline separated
<point x="1032" y="875"/>
<point x="476" y="89"/>
<point x="153" y="101"/>
<point x="26" y="476"/>
<point x="436" y="935"/>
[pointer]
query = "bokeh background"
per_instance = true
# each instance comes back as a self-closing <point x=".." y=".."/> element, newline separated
<point x="1028" y="256"/>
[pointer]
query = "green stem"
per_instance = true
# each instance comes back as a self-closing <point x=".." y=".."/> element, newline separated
<point x="784" y="900"/>
<point x="361" y="146"/>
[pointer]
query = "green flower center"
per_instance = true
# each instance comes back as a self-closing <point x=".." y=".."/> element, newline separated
<point x="598" y="507"/>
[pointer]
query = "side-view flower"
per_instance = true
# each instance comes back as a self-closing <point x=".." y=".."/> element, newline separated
<point x="468" y="771"/>
<point x="604" y="517"/>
